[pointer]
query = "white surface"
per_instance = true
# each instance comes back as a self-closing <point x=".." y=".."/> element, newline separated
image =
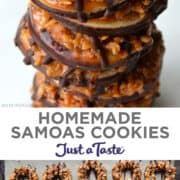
<point x="144" y="134"/>
<point x="16" y="78"/>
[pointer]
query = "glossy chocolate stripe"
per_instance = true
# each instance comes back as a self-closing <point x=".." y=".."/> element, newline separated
<point x="18" y="33"/>
<point x="27" y="53"/>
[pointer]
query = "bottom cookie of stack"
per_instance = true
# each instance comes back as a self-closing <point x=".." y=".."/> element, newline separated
<point x="45" y="95"/>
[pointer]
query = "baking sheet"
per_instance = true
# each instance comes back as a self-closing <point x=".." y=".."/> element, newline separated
<point x="73" y="166"/>
<point x="177" y="164"/>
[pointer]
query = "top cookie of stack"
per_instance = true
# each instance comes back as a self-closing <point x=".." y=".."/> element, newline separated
<point x="104" y="17"/>
<point x="90" y="48"/>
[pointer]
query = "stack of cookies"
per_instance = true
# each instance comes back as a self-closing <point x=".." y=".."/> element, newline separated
<point x="93" y="53"/>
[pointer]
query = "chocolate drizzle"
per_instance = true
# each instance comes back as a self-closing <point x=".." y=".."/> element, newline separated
<point x="45" y="36"/>
<point x="27" y="59"/>
<point x="123" y="99"/>
<point x="109" y="5"/>
<point x="126" y="46"/>
<point x="79" y="4"/>
<point x="32" y="42"/>
<point x="98" y="46"/>
<point x="47" y="60"/>
<point x="64" y="77"/>
<point x="110" y="2"/>
<point x="90" y="103"/>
